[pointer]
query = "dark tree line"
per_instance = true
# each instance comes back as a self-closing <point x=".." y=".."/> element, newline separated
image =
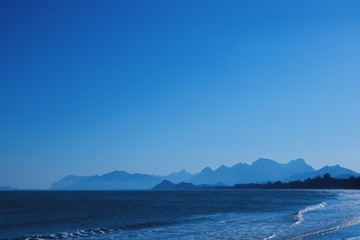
<point x="324" y="182"/>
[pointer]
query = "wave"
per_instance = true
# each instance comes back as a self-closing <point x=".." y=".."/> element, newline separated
<point x="299" y="216"/>
<point x="354" y="238"/>
<point x="93" y="232"/>
<point x="293" y="233"/>
<point x="110" y="230"/>
<point x="347" y="223"/>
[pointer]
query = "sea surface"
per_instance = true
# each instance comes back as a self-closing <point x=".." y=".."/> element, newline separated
<point x="200" y="214"/>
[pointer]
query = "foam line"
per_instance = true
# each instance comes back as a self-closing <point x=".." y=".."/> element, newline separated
<point x="299" y="216"/>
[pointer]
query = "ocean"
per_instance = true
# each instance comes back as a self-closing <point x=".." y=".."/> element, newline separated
<point x="200" y="214"/>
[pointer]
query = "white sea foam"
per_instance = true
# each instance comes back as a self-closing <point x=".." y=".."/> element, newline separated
<point x="354" y="238"/>
<point x="299" y="216"/>
<point x="347" y="223"/>
<point x="271" y="237"/>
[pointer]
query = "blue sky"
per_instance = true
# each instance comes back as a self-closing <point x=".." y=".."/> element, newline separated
<point x="87" y="87"/>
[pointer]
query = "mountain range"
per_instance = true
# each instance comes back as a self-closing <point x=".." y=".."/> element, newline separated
<point x="259" y="171"/>
<point x="167" y="185"/>
<point x="117" y="180"/>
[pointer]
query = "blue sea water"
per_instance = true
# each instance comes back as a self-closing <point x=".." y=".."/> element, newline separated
<point x="205" y="214"/>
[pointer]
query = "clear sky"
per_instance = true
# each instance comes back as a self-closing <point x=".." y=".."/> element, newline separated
<point x="88" y="87"/>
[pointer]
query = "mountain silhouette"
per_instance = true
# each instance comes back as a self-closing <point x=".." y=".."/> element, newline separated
<point x="116" y="180"/>
<point x="66" y="182"/>
<point x="335" y="171"/>
<point x="164" y="185"/>
<point x="260" y="171"/>
<point x="167" y="185"/>
<point x="177" y="177"/>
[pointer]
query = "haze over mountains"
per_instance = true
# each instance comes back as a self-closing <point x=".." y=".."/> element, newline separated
<point x="260" y="171"/>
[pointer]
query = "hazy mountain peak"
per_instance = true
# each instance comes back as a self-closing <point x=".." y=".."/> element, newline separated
<point x="180" y="176"/>
<point x="166" y="182"/>
<point x="66" y="182"/>
<point x="114" y="180"/>
<point x="328" y="167"/>
<point x="261" y="170"/>
<point x="298" y="160"/>
<point x="335" y="171"/>
<point x="335" y="167"/>
<point x="301" y="164"/>
<point x="206" y="170"/>
<point x="222" y="168"/>
<point x="115" y="173"/>
<point x="240" y="165"/>
<point x="264" y="161"/>
<point x="164" y="185"/>
<point x="182" y="171"/>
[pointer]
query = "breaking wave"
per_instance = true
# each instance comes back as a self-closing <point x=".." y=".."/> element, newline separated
<point x="299" y="216"/>
<point x="347" y="223"/>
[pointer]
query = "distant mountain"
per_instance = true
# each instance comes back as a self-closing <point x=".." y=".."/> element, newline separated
<point x="205" y="176"/>
<point x="185" y="186"/>
<point x="177" y="177"/>
<point x="116" y="180"/>
<point x="164" y="185"/>
<point x="167" y="185"/>
<point x="261" y="170"/>
<point x="7" y="188"/>
<point x="335" y="171"/>
<point x="66" y="182"/>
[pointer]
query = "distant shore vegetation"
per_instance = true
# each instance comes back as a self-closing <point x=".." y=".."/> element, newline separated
<point x="320" y="182"/>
